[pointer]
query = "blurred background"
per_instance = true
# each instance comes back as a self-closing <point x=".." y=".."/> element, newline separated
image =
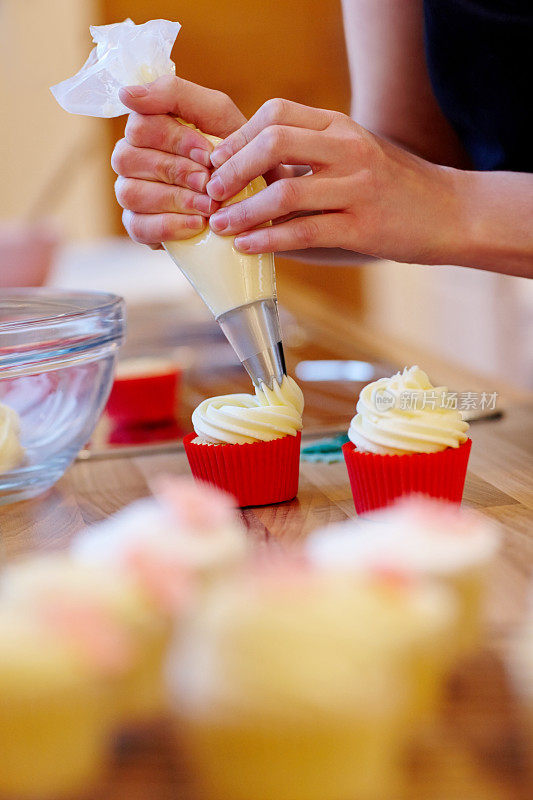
<point x="60" y="222"/>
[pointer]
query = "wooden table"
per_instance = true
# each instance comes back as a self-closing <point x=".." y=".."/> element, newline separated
<point x="478" y="751"/>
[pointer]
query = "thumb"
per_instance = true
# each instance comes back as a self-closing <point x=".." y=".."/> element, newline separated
<point x="212" y="111"/>
<point x="159" y="97"/>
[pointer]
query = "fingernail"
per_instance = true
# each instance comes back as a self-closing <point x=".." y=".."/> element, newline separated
<point x="243" y="243"/>
<point x="218" y="157"/>
<point x="197" y="181"/>
<point x="219" y="221"/>
<point x="203" y="203"/>
<point x="215" y="187"/>
<point x="136" y="91"/>
<point x="195" y="222"/>
<point x="201" y="156"/>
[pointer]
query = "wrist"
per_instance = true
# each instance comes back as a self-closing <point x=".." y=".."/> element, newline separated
<point x="488" y="221"/>
<point x="431" y="216"/>
<point x="447" y="227"/>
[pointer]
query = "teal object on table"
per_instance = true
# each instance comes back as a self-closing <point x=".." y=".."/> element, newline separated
<point x="326" y="451"/>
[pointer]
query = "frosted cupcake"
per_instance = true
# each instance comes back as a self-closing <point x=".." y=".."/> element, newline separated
<point x="300" y="686"/>
<point x="249" y="445"/>
<point x="406" y="437"/>
<point x="53" y="714"/>
<point x="430" y="539"/>
<point x="182" y="540"/>
<point x="56" y="586"/>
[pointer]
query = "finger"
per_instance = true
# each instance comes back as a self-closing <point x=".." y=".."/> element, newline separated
<point x="273" y="112"/>
<point x="212" y="111"/>
<point x="319" y="230"/>
<point x="150" y="197"/>
<point x="161" y="132"/>
<point x="152" y="229"/>
<point x="285" y="197"/>
<point x="275" y="145"/>
<point x="154" y="165"/>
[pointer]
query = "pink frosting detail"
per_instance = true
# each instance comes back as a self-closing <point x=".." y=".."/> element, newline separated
<point x="98" y="639"/>
<point x="167" y="582"/>
<point x="393" y="578"/>
<point x="194" y="505"/>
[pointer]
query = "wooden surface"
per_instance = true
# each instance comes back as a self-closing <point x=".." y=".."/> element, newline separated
<point x="478" y="751"/>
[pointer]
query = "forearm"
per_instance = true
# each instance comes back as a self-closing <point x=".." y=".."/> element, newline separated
<point x="491" y="223"/>
<point x="485" y="221"/>
<point x="391" y="90"/>
<point x="329" y="256"/>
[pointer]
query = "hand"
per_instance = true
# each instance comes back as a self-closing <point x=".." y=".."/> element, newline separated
<point x="164" y="166"/>
<point x="361" y="193"/>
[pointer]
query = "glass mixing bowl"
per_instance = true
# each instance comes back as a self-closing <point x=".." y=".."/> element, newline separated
<point x="57" y="358"/>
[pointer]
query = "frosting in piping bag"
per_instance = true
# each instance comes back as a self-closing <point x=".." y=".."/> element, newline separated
<point x="223" y="277"/>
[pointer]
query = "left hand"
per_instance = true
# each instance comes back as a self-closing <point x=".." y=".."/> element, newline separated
<point x="360" y="192"/>
<point x="162" y="165"/>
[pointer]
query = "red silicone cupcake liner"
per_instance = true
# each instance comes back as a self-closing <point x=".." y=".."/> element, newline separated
<point x="378" y="480"/>
<point x="144" y="399"/>
<point x="256" y="474"/>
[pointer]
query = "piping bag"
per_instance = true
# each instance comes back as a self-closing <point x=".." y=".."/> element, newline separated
<point x="239" y="289"/>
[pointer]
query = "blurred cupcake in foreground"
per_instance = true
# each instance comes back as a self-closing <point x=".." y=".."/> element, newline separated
<point x="96" y="608"/>
<point x="520" y="668"/>
<point x="429" y="539"/>
<point x="296" y="685"/>
<point x="180" y="541"/>
<point x="54" y="727"/>
<point x="406" y="438"/>
<point x="249" y="445"/>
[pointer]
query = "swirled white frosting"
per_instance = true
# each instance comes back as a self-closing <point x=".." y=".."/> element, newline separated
<point x="406" y="414"/>
<point x="245" y="418"/>
<point x="11" y="451"/>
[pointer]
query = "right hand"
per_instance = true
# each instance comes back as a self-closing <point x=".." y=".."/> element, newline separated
<point x="163" y="166"/>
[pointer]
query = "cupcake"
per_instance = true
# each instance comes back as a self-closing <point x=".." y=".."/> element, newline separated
<point x="79" y="596"/>
<point x="429" y="539"/>
<point x="406" y="437"/>
<point x="296" y="685"/>
<point x="172" y="545"/>
<point x="249" y="445"/>
<point x="53" y="715"/>
<point x="145" y="391"/>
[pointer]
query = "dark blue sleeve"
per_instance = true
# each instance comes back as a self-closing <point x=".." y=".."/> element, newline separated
<point x="480" y="60"/>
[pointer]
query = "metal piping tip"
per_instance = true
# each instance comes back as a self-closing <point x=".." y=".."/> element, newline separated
<point x="267" y="366"/>
<point x="254" y="332"/>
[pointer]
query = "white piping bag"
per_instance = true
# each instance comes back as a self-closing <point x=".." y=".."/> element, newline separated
<point x="239" y="289"/>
